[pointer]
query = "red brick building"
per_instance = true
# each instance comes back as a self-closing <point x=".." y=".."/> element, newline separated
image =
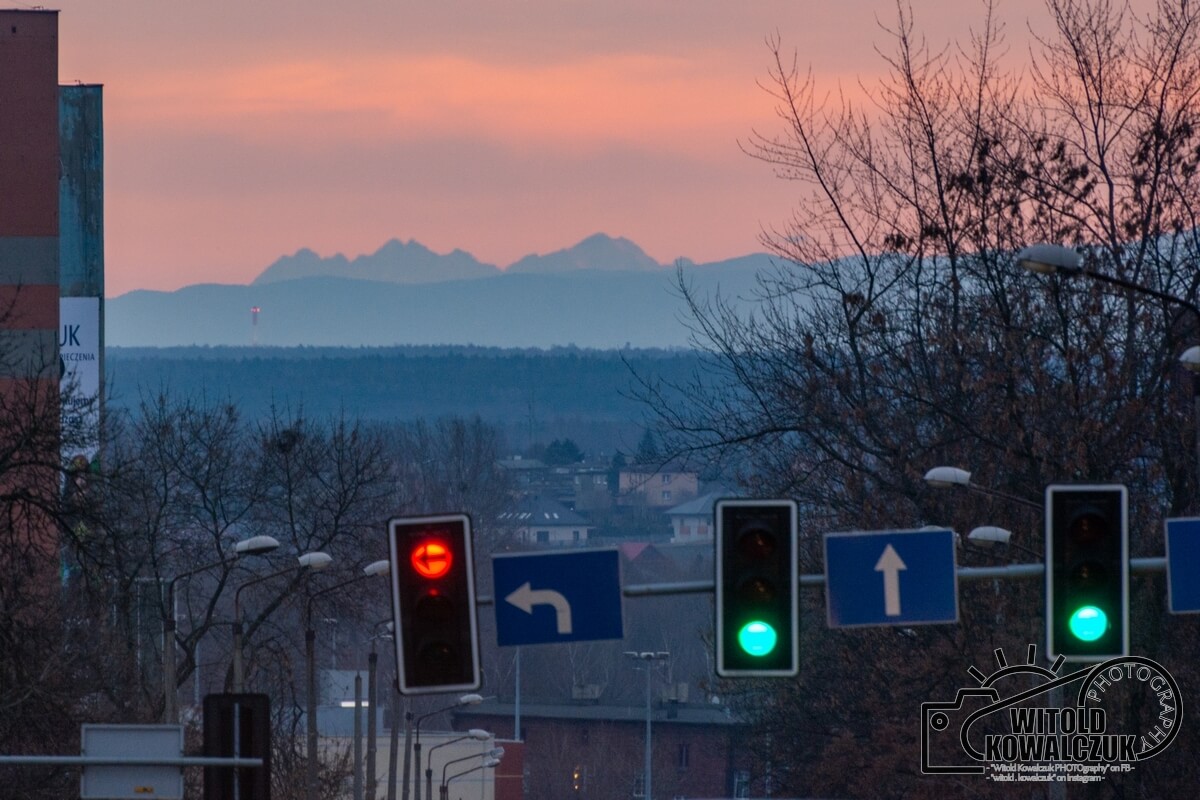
<point x="29" y="173"/>
<point x="597" y="752"/>
<point x="29" y="295"/>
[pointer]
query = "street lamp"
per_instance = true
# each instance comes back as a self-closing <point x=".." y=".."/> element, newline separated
<point x="987" y="535"/>
<point x="1054" y="259"/>
<point x="381" y="567"/>
<point x="254" y="546"/>
<point x="950" y="477"/>
<point x="648" y="658"/>
<point x="490" y="759"/>
<point x="465" y="700"/>
<point x="314" y="561"/>
<point x="1051" y="259"/>
<point x="478" y="734"/>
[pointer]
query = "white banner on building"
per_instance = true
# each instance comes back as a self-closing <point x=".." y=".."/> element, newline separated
<point x="79" y="354"/>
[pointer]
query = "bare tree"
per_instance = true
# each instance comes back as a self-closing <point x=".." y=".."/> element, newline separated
<point x="44" y="631"/>
<point x="897" y="332"/>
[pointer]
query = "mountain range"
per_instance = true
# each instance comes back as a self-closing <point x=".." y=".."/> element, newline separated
<point x="603" y="292"/>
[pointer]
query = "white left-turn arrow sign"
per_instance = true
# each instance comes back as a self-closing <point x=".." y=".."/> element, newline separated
<point x="526" y="597"/>
<point x="890" y="565"/>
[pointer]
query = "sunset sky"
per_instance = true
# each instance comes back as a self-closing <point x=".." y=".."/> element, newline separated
<point x="239" y="132"/>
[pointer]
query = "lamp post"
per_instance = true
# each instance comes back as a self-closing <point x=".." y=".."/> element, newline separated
<point x="1054" y="259"/>
<point x="478" y="734"/>
<point x="490" y="759"/>
<point x="316" y="560"/>
<point x="255" y="545"/>
<point x="372" y="706"/>
<point x="488" y="763"/>
<point x="381" y="567"/>
<point x="648" y="658"/>
<point x="465" y="700"/>
<point x="949" y="477"/>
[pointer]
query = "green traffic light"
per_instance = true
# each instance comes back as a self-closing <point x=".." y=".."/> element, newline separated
<point x="1088" y="623"/>
<point x="757" y="638"/>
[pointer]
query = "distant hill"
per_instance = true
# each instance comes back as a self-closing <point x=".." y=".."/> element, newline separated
<point x="601" y="293"/>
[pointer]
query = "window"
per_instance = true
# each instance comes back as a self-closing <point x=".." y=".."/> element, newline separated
<point x="682" y="761"/>
<point x="666" y="478"/>
<point x="666" y="495"/>
<point x="543" y="537"/>
<point x="741" y="783"/>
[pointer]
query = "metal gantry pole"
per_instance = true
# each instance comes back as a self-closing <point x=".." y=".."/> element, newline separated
<point x="372" y="722"/>
<point x="358" y="737"/>
<point x="310" y="766"/>
<point x="647" y="765"/>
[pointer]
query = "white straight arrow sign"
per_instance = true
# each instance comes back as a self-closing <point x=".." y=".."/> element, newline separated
<point x="890" y="565"/>
<point x="526" y="597"/>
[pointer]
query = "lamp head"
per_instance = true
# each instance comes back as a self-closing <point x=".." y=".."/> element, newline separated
<point x="989" y="534"/>
<point x="255" y="546"/>
<point x="479" y="734"/>
<point x="1191" y="359"/>
<point x="470" y="700"/>
<point x="945" y="477"/>
<point x="1047" y="259"/>
<point x="380" y="567"/>
<point x="316" y="560"/>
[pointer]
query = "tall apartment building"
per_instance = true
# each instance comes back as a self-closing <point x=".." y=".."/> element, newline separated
<point x="29" y="198"/>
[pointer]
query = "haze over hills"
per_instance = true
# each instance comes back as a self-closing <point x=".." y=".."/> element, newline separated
<point x="603" y="292"/>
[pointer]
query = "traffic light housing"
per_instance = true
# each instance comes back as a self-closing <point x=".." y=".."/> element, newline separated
<point x="757" y="611"/>
<point x="1087" y="572"/>
<point x="433" y="604"/>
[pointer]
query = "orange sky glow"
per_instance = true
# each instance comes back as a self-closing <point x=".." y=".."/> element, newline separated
<point x="239" y="132"/>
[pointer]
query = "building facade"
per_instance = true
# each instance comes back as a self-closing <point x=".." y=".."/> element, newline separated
<point x="29" y="202"/>
<point x="597" y="752"/>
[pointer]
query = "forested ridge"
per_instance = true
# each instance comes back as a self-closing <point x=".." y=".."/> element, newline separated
<point x="532" y="394"/>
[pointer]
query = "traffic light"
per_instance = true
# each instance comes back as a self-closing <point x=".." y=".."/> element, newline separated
<point x="1087" y="572"/>
<point x="433" y="604"/>
<point x="758" y="629"/>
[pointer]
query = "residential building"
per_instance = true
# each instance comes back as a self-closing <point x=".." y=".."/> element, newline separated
<point x="541" y="520"/>
<point x="693" y="521"/>
<point x="656" y="487"/>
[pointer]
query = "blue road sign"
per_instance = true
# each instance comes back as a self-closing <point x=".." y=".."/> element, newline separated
<point x="1183" y="565"/>
<point x="572" y="596"/>
<point x="891" y="578"/>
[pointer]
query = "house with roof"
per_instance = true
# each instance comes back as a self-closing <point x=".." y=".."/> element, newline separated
<point x="693" y="521"/>
<point x="538" y="519"/>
